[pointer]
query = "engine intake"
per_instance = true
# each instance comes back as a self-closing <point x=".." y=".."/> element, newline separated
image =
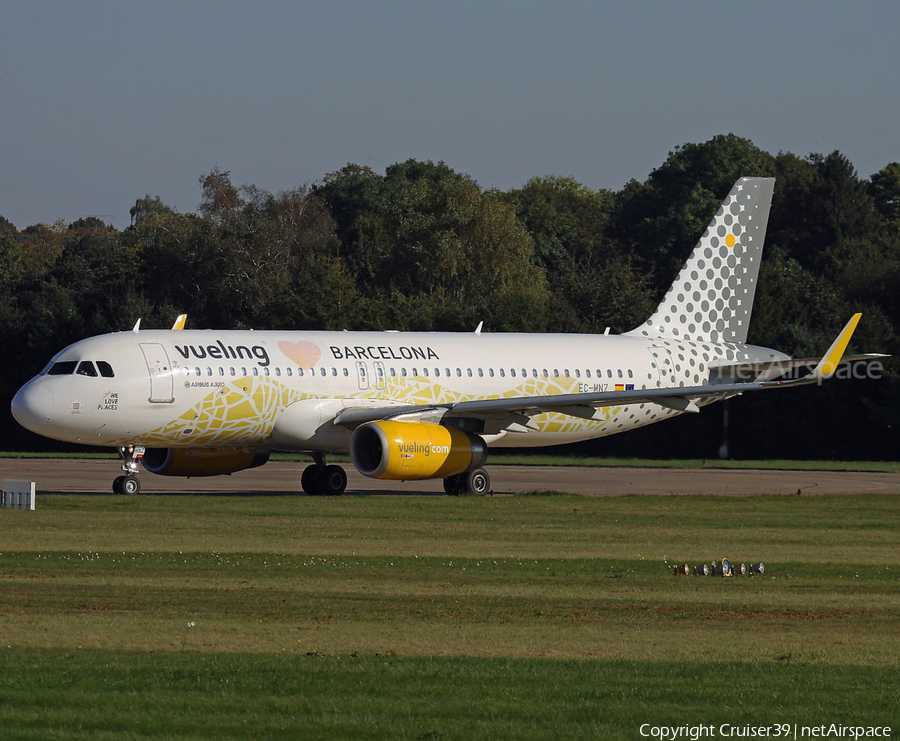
<point x="202" y="461"/>
<point x="410" y="451"/>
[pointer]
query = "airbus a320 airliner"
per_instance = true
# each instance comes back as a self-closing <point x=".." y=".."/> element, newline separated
<point x="412" y="406"/>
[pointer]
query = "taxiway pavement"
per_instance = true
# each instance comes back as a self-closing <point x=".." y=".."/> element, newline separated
<point x="62" y="476"/>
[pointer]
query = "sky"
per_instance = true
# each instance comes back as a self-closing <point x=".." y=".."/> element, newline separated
<point x="104" y="102"/>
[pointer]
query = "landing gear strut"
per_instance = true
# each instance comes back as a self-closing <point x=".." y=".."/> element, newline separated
<point x="320" y="479"/>
<point x="468" y="482"/>
<point x="129" y="483"/>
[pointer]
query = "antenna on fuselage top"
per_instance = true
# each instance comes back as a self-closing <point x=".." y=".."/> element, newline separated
<point x="478" y="328"/>
<point x="137" y="326"/>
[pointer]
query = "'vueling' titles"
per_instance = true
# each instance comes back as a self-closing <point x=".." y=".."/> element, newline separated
<point x="383" y="353"/>
<point x="221" y="351"/>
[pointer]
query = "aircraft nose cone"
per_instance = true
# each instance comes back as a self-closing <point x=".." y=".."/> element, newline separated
<point x="32" y="406"/>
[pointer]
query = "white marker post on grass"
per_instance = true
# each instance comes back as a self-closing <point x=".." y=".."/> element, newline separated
<point x="18" y="494"/>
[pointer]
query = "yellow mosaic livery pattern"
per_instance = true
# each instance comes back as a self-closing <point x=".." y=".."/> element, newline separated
<point x="240" y="413"/>
<point x="244" y="412"/>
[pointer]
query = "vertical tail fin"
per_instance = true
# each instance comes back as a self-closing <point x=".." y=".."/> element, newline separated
<point x="712" y="297"/>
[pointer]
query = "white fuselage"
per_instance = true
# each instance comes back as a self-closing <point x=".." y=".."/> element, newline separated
<point x="210" y="388"/>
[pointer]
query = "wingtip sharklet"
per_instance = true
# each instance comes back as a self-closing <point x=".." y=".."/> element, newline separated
<point x="829" y="362"/>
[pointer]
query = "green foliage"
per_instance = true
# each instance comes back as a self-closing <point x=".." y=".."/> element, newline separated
<point x="423" y="247"/>
<point x="431" y="250"/>
<point x="148" y="207"/>
<point x="660" y="220"/>
<point x="593" y="285"/>
<point x="7" y="228"/>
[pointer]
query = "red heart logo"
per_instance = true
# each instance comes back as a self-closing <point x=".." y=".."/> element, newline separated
<point x="303" y="353"/>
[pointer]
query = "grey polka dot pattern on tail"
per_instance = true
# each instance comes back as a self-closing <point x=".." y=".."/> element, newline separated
<point x="711" y="299"/>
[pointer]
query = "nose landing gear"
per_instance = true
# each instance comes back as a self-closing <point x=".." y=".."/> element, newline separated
<point x="129" y="483"/>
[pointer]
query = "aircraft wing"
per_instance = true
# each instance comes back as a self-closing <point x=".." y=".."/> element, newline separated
<point x="575" y="405"/>
<point x="515" y="412"/>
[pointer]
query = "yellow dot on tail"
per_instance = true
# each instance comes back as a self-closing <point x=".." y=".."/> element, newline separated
<point x="729" y="240"/>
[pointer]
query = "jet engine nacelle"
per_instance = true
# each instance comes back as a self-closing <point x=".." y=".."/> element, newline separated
<point x="202" y="462"/>
<point x="409" y="451"/>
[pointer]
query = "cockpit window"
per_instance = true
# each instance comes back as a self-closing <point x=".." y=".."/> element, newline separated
<point x="62" y="368"/>
<point x="86" y="368"/>
<point x="83" y="368"/>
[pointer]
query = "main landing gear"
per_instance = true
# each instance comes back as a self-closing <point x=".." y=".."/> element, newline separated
<point x="129" y="483"/>
<point x="320" y="479"/>
<point x="468" y="482"/>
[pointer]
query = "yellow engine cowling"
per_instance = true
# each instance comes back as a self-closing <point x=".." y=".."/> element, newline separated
<point x="409" y="451"/>
<point x="202" y="462"/>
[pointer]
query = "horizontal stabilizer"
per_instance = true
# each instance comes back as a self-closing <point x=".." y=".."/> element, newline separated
<point x="747" y="370"/>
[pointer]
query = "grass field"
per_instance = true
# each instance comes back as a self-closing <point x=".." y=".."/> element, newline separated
<point x="435" y="617"/>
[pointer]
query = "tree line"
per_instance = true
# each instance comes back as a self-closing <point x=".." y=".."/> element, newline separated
<point x="423" y="247"/>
